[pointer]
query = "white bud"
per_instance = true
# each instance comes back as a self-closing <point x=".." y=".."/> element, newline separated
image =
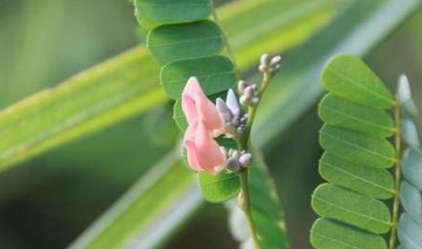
<point x="245" y="160"/>
<point x="275" y="60"/>
<point x="241" y="86"/>
<point x="255" y="100"/>
<point x="232" y="103"/>
<point x="244" y="100"/>
<point x="224" y="111"/>
<point x="262" y="68"/>
<point x="404" y="92"/>
<point x="264" y="59"/>
<point x="249" y="92"/>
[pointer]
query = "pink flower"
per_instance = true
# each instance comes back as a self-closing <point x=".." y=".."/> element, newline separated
<point x="197" y="106"/>
<point x="204" y="153"/>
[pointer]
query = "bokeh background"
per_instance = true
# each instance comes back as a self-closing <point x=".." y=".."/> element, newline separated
<point x="47" y="202"/>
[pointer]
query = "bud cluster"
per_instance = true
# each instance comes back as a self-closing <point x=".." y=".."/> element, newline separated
<point x="249" y="94"/>
<point x="236" y="160"/>
<point x="234" y="118"/>
<point x="269" y="64"/>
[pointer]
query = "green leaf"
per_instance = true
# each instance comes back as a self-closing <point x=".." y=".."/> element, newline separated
<point x="329" y="234"/>
<point x="411" y="200"/>
<point x="167" y="189"/>
<point x="409" y="233"/>
<point x="152" y="13"/>
<point x="330" y="201"/>
<point x="412" y="167"/>
<point x="185" y="41"/>
<point x="216" y="74"/>
<point x="103" y="95"/>
<point x="344" y="113"/>
<point x="348" y="76"/>
<point x="358" y="147"/>
<point x="219" y="187"/>
<point x="364" y="179"/>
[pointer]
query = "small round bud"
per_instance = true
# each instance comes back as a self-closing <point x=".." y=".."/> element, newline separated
<point x="262" y="68"/>
<point x="232" y="164"/>
<point x="275" y="60"/>
<point x="249" y="92"/>
<point x="244" y="100"/>
<point x="264" y="59"/>
<point x="255" y="100"/>
<point x="241" y="86"/>
<point x="245" y="160"/>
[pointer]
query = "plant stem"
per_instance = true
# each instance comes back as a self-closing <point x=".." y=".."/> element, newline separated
<point x="396" y="204"/>
<point x="244" y="196"/>
<point x="245" y="205"/>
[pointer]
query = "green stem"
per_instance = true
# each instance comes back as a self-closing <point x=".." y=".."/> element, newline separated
<point x="245" y="205"/>
<point x="396" y="203"/>
<point x="244" y="196"/>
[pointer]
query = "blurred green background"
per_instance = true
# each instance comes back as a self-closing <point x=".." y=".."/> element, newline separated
<point x="47" y="202"/>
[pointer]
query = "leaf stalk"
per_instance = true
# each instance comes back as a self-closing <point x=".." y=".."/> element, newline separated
<point x="396" y="202"/>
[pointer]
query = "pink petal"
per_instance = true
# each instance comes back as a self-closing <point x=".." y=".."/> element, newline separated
<point x="196" y="105"/>
<point x="209" y="155"/>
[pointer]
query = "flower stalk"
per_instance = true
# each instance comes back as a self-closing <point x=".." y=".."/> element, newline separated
<point x="268" y="67"/>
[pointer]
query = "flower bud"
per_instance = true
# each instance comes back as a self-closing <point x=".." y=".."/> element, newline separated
<point x="232" y="164"/>
<point x="245" y="160"/>
<point x="224" y="111"/>
<point x="232" y="103"/>
<point x="241" y="86"/>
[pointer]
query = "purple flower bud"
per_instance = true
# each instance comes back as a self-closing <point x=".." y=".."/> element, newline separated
<point x="224" y="111"/>
<point x="232" y="103"/>
<point x="232" y="164"/>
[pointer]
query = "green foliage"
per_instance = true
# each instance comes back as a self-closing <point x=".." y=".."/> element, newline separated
<point x="344" y="113"/>
<point x="152" y="13"/>
<point x="369" y="181"/>
<point x="216" y="74"/>
<point x="101" y="96"/>
<point x="349" y="77"/>
<point x="339" y="203"/>
<point x="355" y="158"/>
<point x="219" y="187"/>
<point x="331" y="234"/>
<point x="184" y="41"/>
<point x="356" y="146"/>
